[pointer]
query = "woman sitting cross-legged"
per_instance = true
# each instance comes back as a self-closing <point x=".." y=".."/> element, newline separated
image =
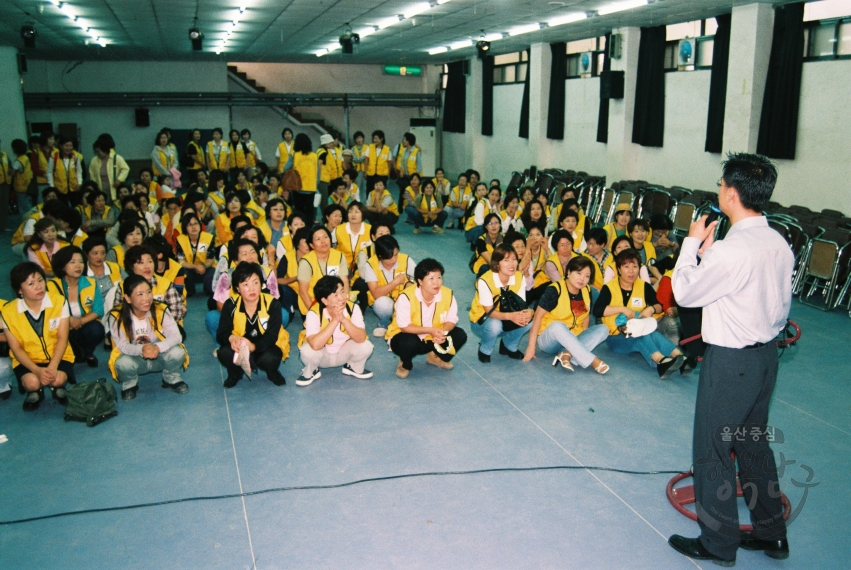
<point x="251" y="326"/>
<point x="428" y="210"/>
<point x="84" y="302"/>
<point x="145" y="339"/>
<point x="488" y="317"/>
<point x="36" y="327"/>
<point x="486" y="243"/>
<point x="562" y="323"/>
<point x="425" y="321"/>
<point x="630" y="297"/>
<point x="334" y="334"/>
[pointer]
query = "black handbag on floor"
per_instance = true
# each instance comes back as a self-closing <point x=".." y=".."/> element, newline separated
<point x="508" y="302"/>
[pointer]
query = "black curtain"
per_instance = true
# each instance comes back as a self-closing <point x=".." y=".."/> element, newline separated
<point x="778" y="124"/>
<point x="558" y="75"/>
<point x="455" y="99"/>
<point x="718" y="85"/>
<point x="487" y="95"/>
<point x="603" y="114"/>
<point x="524" y="106"/>
<point x="648" y="126"/>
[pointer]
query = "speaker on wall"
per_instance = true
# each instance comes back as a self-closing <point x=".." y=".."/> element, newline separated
<point x="22" y="63"/>
<point x="611" y="85"/>
<point x="143" y="119"/>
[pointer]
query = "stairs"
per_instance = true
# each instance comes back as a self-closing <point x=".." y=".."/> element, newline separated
<point x="304" y="119"/>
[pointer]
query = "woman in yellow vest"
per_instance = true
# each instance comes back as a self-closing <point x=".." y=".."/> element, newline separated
<point x="619" y="226"/>
<point x="567" y="221"/>
<point x="194" y="253"/>
<point x="5" y="184"/>
<point x="425" y="321"/>
<point x="557" y="263"/>
<point x="487" y="319"/>
<point x="334" y="334"/>
<point x="306" y="163"/>
<point x="486" y="243"/>
<point x="84" y="303"/>
<point x="250" y="329"/>
<point x="22" y="176"/>
<point x="46" y="146"/>
<point x="146" y="339"/>
<point x="253" y="156"/>
<point x="130" y="233"/>
<point x="107" y="275"/>
<point x="64" y="169"/>
<point x="533" y="216"/>
<point x="511" y="213"/>
<point x="378" y="160"/>
<point x="285" y="151"/>
<point x="36" y="327"/>
<point x="562" y="323"/>
<point x="338" y="194"/>
<point x="276" y="230"/>
<point x="196" y="159"/>
<point x="239" y="155"/>
<point x="610" y="271"/>
<point x="234" y="207"/>
<point x="380" y="207"/>
<point x="288" y="271"/>
<point x="332" y="217"/>
<point x="98" y="218"/>
<point x="628" y="297"/>
<point x="481" y="208"/>
<point x="386" y="274"/>
<point x="639" y="231"/>
<point x="142" y="260"/>
<point x="458" y="200"/>
<point x="218" y="154"/>
<point x="596" y="252"/>
<point x="322" y="260"/>
<point x="353" y="235"/>
<point x="163" y="156"/>
<point x="531" y="265"/>
<point x="329" y="167"/>
<point x="427" y="208"/>
<point x="44" y="244"/>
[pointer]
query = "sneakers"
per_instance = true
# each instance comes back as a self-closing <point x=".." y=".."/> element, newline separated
<point x="437" y="230"/>
<point x="401" y="371"/>
<point x="431" y="358"/>
<point x="231" y="381"/>
<point x="416" y="231"/>
<point x="31" y="402"/>
<point x="308" y="380"/>
<point x="129" y="393"/>
<point x="179" y="388"/>
<point x="349" y="371"/>
<point x="666" y="366"/>
<point x="379" y="332"/>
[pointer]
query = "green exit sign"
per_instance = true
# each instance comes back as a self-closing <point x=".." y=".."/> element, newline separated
<point x="409" y="70"/>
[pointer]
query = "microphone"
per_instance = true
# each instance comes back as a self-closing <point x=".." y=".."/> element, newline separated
<point x="714" y="213"/>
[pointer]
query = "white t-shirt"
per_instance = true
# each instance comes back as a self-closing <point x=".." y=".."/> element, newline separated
<point x="312" y="326"/>
<point x="403" y="311"/>
<point x="485" y="295"/>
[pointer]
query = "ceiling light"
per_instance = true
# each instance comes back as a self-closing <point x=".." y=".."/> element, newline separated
<point x="368" y="31"/>
<point x="28" y="34"/>
<point x="416" y="10"/>
<point x="524" y="29"/>
<point x="482" y="48"/>
<point x="102" y="42"/>
<point x="387" y="22"/>
<point x="620" y="6"/>
<point x="196" y="36"/>
<point x="566" y="19"/>
<point x="442" y="1"/>
<point x="437" y="50"/>
<point x="320" y="52"/>
<point x="492" y="37"/>
<point x="461" y="45"/>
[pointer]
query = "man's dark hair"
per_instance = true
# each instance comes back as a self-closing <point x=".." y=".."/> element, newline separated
<point x="425" y="267"/>
<point x="327" y="285"/>
<point x="22" y="271"/>
<point x="598" y="235"/>
<point x="243" y="271"/>
<point x="385" y="247"/>
<point x="661" y="222"/>
<point x="753" y="176"/>
<point x="411" y="138"/>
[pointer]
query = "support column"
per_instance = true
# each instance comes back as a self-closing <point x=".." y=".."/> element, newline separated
<point x="474" y="150"/>
<point x="540" y="64"/>
<point x="13" y="124"/>
<point x="751" y="31"/>
<point x="621" y="153"/>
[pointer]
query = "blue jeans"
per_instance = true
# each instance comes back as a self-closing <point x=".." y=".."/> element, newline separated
<point x="558" y="337"/>
<point x="213" y="317"/>
<point x="491" y="330"/>
<point x="383" y="308"/>
<point x="25" y="202"/>
<point x="411" y="212"/>
<point x="419" y="220"/>
<point x="473" y="234"/>
<point x="645" y="345"/>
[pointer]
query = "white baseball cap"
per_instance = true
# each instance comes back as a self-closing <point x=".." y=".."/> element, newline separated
<point x="325" y="139"/>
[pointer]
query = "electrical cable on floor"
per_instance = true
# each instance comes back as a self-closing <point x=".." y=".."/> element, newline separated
<point x="337" y="486"/>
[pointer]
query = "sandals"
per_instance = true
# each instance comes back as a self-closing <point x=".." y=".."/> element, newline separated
<point x="563" y="358"/>
<point x="602" y="368"/>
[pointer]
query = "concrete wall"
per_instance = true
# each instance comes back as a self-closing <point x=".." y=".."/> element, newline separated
<point x="12" y="122"/>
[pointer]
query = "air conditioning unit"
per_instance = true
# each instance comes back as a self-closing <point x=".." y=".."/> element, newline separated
<point x="686" y="53"/>
<point x="586" y="63"/>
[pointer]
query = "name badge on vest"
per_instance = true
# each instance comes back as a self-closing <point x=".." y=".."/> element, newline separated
<point x="88" y="301"/>
<point x="202" y="247"/>
<point x="159" y="297"/>
<point x="443" y="317"/>
<point x="333" y="271"/>
<point x="54" y="324"/>
<point x="264" y="322"/>
<point x="636" y="303"/>
<point x="434" y="204"/>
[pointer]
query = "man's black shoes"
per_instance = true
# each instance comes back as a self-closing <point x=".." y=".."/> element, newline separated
<point x="777" y="549"/>
<point x="693" y="548"/>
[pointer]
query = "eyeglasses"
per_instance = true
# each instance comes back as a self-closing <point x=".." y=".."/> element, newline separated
<point x="493" y="223"/>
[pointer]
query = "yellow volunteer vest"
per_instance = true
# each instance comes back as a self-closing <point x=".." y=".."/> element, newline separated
<point x="165" y="158"/>
<point x="331" y="268"/>
<point x="479" y="259"/>
<point x="202" y="248"/>
<point x="23" y="179"/>
<point x="598" y="271"/>
<point x="401" y="267"/>
<point x="284" y="155"/>
<point x="39" y="348"/>
<point x="378" y="161"/>
<point x="199" y="161"/>
<point x="119" y="254"/>
<point x="323" y="322"/>
<point x="392" y="208"/>
<point x="256" y="212"/>
<point x="18" y="236"/>
<point x="64" y="177"/>
<point x="347" y="248"/>
<point x="217" y="161"/>
<point x="330" y="168"/>
<point x="440" y="312"/>
<point x="424" y="202"/>
<point x="554" y="258"/>
<point x="538" y="272"/>
<point x="5" y="173"/>
<point x="637" y="301"/>
<point x="563" y="311"/>
<point x="612" y="234"/>
<point x="251" y="157"/>
<point x="238" y="155"/>
<point x="156" y="316"/>
<point x="223" y="233"/>
<point x="292" y="269"/>
<point x="85" y="295"/>
<point x="43" y="259"/>
<point x="357" y="152"/>
<point x="306" y="165"/>
<point x="42" y="166"/>
<point x="477" y="310"/>
<point x="471" y="219"/>
<point x="239" y="318"/>
<point x="411" y="163"/>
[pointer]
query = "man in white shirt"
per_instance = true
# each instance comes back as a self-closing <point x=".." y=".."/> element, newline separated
<point x="334" y="334"/>
<point x="744" y="284"/>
